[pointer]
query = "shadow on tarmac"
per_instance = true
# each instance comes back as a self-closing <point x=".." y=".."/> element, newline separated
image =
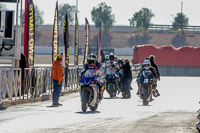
<point x="113" y="98"/>
<point x="144" y="105"/>
<point x="89" y="112"/>
<point x="2" y="108"/>
<point x="52" y="106"/>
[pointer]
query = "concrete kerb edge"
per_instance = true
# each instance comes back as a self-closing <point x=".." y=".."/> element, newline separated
<point x="32" y="100"/>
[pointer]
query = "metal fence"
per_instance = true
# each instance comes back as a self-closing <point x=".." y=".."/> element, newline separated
<point x="169" y="28"/>
<point x="35" y="82"/>
<point x="10" y="83"/>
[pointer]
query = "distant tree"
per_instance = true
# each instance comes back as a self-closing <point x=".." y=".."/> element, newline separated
<point x="103" y="14"/>
<point x="106" y="39"/>
<point x="38" y="16"/>
<point x="179" y="41"/>
<point x="139" y="39"/>
<point x="62" y="10"/>
<point x="142" y="19"/>
<point x="180" y="21"/>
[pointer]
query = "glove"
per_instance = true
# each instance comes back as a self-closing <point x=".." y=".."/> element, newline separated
<point x="79" y="78"/>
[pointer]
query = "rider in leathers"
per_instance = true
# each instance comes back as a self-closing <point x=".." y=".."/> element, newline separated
<point x="92" y="63"/>
<point x="112" y="67"/>
<point x="146" y="65"/>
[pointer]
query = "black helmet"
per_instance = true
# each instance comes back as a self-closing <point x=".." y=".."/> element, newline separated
<point x="111" y="57"/>
<point x="120" y="61"/>
<point x="151" y="57"/>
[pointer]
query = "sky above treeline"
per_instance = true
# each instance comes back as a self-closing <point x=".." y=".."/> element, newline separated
<point x="164" y="10"/>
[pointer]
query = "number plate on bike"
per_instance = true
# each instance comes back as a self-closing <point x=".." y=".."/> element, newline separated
<point x="146" y="81"/>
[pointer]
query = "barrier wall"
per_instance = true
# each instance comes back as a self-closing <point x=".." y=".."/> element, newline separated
<point x="37" y="82"/>
<point x="169" y="55"/>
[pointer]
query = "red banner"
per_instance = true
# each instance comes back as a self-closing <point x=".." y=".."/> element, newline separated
<point x="26" y="29"/>
<point x="55" y="42"/>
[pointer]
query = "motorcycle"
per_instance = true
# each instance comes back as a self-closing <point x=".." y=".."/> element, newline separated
<point x="145" y="86"/>
<point x="89" y="91"/>
<point x="111" y="83"/>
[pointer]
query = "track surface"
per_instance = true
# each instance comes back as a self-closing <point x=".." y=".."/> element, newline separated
<point x="174" y="111"/>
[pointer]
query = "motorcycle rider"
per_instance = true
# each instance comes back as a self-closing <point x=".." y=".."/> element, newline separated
<point x="112" y="67"/>
<point x="92" y="63"/>
<point x="146" y="66"/>
<point x="151" y="58"/>
<point x="111" y="63"/>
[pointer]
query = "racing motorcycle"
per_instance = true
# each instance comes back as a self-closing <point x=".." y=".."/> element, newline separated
<point x="145" y="86"/>
<point x="89" y="90"/>
<point x="111" y="83"/>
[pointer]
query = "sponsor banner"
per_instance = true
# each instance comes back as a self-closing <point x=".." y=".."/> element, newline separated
<point x="87" y="43"/>
<point x="31" y="34"/>
<point x="66" y="42"/>
<point x="55" y="42"/>
<point x="76" y="41"/>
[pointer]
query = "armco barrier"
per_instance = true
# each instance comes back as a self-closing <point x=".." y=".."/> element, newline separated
<point x="37" y="83"/>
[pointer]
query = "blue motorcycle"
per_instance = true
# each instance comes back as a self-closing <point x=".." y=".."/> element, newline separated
<point x="145" y="86"/>
<point x="89" y="90"/>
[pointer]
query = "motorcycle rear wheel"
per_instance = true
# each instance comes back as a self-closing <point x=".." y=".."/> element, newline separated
<point x="111" y="91"/>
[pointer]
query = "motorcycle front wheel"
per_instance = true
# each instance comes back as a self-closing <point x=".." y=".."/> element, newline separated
<point x="84" y="101"/>
<point x="145" y="97"/>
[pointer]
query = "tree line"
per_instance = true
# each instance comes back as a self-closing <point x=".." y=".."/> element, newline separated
<point x="102" y="13"/>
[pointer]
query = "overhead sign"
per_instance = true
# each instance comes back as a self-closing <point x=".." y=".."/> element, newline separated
<point x="12" y="1"/>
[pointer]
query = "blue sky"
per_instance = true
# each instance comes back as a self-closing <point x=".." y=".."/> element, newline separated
<point x="164" y="10"/>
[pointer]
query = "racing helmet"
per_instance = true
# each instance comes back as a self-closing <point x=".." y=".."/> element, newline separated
<point x="111" y="57"/>
<point x="120" y="61"/>
<point x="91" y="58"/>
<point x="146" y="64"/>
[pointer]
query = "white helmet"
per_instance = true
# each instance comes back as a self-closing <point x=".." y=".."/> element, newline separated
<point x="146" y="64"/>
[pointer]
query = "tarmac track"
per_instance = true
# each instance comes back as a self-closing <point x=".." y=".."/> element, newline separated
<point x="174" y="111"/>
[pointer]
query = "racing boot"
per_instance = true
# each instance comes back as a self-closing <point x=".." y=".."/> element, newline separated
<point x="101" y="90"/>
